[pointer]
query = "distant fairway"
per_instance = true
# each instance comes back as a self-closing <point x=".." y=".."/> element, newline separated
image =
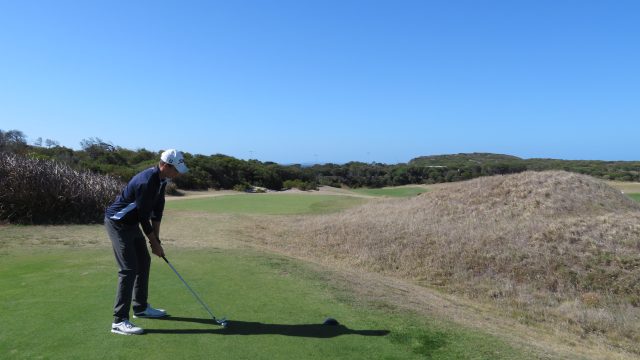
<point x="392" y="192"/>
<point x="635" y="197"/>
<point x="268" y="204"/>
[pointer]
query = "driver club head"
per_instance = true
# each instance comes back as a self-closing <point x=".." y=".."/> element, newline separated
<point x="222" y="322"/>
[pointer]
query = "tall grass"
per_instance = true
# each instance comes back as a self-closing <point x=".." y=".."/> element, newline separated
<point x="547" y="247"/>
<point x="35" y="191"/>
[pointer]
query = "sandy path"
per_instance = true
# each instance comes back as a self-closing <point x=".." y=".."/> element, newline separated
<point x="323" y="190"/>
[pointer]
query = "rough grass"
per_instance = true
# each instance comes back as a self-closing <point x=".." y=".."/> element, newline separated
<point x="552" y="248"/>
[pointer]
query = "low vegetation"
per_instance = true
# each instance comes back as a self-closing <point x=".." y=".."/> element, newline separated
<point x="220" y="171"/>
<point x="480" y="164"/>
<point x="552" y="248"/>
<point x="38" y="191"/>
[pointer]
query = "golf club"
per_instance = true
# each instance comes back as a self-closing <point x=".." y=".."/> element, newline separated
<point x="222" y="322"/>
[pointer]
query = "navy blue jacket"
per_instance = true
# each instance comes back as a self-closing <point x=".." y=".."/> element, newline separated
<point x="141" y="201"/>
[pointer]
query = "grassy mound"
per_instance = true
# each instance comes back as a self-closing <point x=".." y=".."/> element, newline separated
<point x="35" y="191"/>
<point x="552" y="247"/>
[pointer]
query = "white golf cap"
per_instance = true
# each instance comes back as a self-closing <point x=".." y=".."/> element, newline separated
<point x="175" y="158"/>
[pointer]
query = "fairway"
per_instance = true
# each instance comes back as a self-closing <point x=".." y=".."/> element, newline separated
<point x="635" y="197"/>
<point x="268" y="204"/>
<point x="392" y="192"/>
<point x="57" y="305"/>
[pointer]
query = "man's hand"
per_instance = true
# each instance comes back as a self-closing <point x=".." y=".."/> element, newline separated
<point x="156" y="248"/>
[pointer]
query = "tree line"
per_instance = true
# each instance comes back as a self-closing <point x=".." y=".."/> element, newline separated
<point x="226" y="172"/>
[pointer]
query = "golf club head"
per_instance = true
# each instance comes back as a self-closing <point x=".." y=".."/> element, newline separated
<point x="222" y="322"/>
<point x="331" y="322"/>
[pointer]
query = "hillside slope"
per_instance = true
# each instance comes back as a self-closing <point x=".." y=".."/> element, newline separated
<point x="462" y="160"/>
<point x="549" y="247"/>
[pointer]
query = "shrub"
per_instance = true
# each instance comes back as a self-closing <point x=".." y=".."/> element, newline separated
<point x="299" y="184"/>
<point x="172" y="189"/>
<point x="242" y="187"/>
<point x="37" y="191"/>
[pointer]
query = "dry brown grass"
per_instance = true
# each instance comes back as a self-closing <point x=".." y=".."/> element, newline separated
<point x="549" y="248"/>
<point x="37" y="191"/>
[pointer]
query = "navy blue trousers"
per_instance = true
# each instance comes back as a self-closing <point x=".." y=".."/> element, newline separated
<point x="134" y="263"/>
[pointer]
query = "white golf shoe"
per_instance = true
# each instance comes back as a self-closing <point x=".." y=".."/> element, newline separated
<point x="126" y="328"/>
<point x="150" y="312"/>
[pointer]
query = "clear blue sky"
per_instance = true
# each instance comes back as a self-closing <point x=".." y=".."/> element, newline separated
<point x="327" y="81"/>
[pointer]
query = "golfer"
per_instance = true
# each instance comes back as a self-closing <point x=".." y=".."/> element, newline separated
<point x="140" y="204"/>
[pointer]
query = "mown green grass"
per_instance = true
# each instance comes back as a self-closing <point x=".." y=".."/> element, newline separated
<point x="635" y="196"/>
<point x="268" y="204"/>
<point x="56" y="304"/>
<point x="392" y="192"/>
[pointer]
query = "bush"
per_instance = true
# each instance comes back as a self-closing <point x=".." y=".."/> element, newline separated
<point x="242" y="187"/>
<point x="299" y="184"/>
<point x="36" y="191"/>
<point x="172" y="189"/>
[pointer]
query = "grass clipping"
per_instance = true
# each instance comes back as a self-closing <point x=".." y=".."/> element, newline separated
<point x="549" y="246"/>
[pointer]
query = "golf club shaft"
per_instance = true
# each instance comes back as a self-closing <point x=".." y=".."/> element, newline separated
<point x="190" y="289"/>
